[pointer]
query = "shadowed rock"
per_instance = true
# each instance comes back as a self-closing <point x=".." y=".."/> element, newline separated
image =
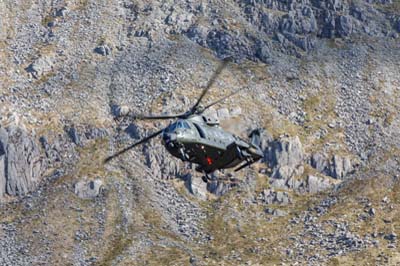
<point x="337" y="167"/>
<point x="285" y="157"/>
<point x="21" y="164"/>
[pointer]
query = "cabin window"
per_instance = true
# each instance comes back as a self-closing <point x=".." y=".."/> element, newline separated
<point x="200" y="130"/>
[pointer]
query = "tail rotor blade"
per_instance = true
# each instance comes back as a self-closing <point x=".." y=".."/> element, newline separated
<point x="133" y="145"/>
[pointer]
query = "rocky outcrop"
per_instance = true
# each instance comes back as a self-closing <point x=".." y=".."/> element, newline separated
<point x="270" y="196"/>
<point x="218" y="187"/>
<point x="21" y="164"/>
<point x="317" y="184"/>
<point x="81" y="135"/>
<point x="196" y="186"/>
<point x="337" y="166"/>
<point x="161" y="163"/>
<point x="285" y="157"/>
<point x="88" y="189"/>
<point x="41" y="66"/>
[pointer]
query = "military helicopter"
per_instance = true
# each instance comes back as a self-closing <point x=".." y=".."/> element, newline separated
<point x="199" y="139"/>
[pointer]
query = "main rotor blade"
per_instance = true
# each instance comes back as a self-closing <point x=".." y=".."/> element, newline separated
<point x="154" y="117"/>
<point x="210" y="83"/>
<point x="133" y="145"/>
<point x="222" y="99"/>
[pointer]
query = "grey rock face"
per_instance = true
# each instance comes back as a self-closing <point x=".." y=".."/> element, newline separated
<point x="224" y="44"/>
<point x="218" y="188"/>
<point x="88" y="189"/>
<point x="344" y="26"/>
<point x="270" y="196"/>
<point x="74" y="135"/>
<point x="285" y="157"/>
<point x="286" y="151"/>
<point x="161" y="163"/>
<point x="2" y="173"/>
<point x="317" y="184"/>
<point x="41" y="66"/>
<point x="341" y="167"/>
<point x="21" y="164"/>
<point x="196" y="186"/>
<point x="320" y="163"/>
<point x="337" y="167"/>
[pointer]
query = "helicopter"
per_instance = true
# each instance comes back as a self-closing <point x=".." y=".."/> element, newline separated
<point x="196" y="138"/>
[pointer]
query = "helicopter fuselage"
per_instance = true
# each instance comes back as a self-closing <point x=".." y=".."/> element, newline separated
<point x="200" y="140"/>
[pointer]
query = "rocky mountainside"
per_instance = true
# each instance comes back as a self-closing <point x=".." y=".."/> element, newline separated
<point x="321" y="77"/>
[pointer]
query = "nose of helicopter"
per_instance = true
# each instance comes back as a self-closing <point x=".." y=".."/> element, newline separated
<point x="169" y="137"/>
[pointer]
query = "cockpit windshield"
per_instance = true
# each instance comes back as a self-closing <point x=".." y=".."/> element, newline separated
<point x="180" y="124"/>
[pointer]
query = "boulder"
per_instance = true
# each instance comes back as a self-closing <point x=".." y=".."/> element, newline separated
<point x="275" y="212"/>
<point x="120" y="110"/>
<point x="320" y="163"/>
<point x="340" y="167"/>
<point x="295" y="184"/>
<point x="41" y="66"/>
<point x="21" y="164"/>
<point x="270" y="196"/>
<point x="285" y="151"/>
<point x="179" y="21"/>
<point x="88" y="189"/>
<point x="329" y="24"/>
<point x="337" y="167"/>
<point x="344" y="26"/>
<point x="74" y="135"/>
<point x="285" y="157"/>
<point x="198" y="34"/>
<point x="218" y="187"/>
<point x="103" y="50"/>
<point x="285" y="172"/>
<point x="317" y="184"/>
<point x="278" y="183"/>
<point x="161" y="163"/>
<point x="196" y="186"/>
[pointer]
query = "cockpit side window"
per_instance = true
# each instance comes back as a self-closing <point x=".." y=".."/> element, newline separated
<point x="186" y="125"/>
<point x="171" y="127"/>
<point x="200" y="130"/>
